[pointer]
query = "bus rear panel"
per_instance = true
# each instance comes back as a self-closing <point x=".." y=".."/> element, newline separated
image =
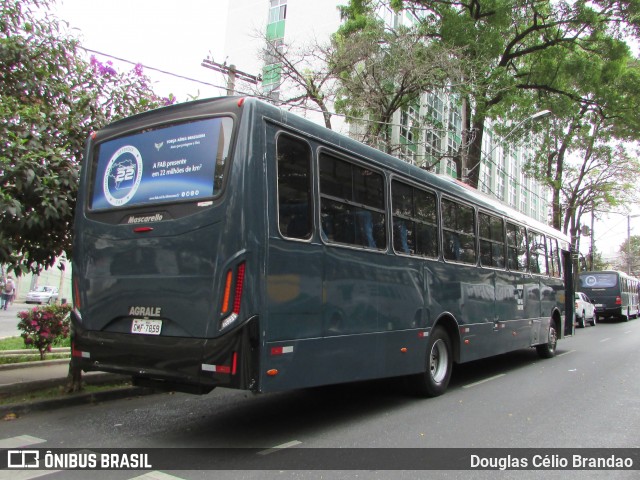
<point x="160" y="268"/>
<point x="614" y="294"/>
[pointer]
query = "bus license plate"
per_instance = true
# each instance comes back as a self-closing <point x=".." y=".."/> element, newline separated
<point x="146" y="327"/>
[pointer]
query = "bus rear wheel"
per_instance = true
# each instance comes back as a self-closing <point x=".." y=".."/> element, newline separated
<point x="548" y="350"/>
<point x="439" y="363"/>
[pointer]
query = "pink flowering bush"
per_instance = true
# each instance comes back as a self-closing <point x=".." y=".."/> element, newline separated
<point x="42" y="327"/>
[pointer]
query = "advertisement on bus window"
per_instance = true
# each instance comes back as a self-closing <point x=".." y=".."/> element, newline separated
<point x="170" y="164"/>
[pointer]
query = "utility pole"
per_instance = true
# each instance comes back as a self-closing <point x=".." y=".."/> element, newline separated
<point x="629" y="217"/>
<point x="232" y="74"/>
<point x="591" y="251"/>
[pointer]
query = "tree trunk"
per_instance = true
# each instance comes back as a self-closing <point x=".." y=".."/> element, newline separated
<point x="74" y="379"/>
<point x="475" y="152"/>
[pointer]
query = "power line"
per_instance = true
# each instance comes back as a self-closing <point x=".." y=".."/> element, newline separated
<point x="154" y="69"/>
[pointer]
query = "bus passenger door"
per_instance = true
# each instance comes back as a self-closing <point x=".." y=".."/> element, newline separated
<point x="294" y="266"/>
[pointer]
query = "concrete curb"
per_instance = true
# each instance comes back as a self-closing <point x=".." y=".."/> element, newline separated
<point x="120" y="390"/>
<point x="35" y="385"/>
<point x="72" y="399"/>
<point x="38" y="363"/>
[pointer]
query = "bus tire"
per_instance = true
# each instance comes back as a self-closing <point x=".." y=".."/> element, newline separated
<point x="548" y="350"/>
<point x="439" y="364"/>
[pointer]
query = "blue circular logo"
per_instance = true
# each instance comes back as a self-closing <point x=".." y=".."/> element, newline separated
<point x="122" y="176"/>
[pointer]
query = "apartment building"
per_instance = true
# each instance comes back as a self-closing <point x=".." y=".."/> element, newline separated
<point x="300" y="22"/>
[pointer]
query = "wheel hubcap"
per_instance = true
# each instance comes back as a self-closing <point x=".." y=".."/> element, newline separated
<point x="438" y="361"/>
<point x="553" y="339"/>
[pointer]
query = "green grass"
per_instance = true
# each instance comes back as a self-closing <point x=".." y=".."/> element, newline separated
<point x="17" y="343"/>
<point x="11" y="343"/>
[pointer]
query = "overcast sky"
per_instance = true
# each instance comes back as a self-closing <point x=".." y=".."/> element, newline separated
<point x="173" y="36"/>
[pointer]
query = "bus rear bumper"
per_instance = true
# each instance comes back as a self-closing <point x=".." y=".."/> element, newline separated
<point x="192" y="365"/>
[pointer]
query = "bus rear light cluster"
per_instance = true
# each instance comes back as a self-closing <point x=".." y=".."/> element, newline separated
<point x="230" y="313"/>
<point x="78" y="353"/>
<point x="76" y="294"/>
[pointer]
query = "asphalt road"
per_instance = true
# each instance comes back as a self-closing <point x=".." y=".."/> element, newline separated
<point x="588" y="396"/>
<point x="9" y="319"/>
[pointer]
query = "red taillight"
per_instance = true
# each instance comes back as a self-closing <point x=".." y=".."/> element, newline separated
<point x="76" y="294"/>
<point x="239" y="287"/>
<point x="232" y="316"/>
<point x="618" y="300"/>
<point x="227" y="293"/>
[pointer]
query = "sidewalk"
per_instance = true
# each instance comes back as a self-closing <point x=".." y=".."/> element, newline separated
<point x="29" y="377"/>
<point x="33" y="376"/>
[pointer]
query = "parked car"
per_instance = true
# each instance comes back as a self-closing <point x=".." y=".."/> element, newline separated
<point x="44" y="294"/>
<point x="585" y="310"/>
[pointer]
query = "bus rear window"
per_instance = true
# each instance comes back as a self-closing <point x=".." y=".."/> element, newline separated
<point x="599" y="280"/>
<point x="176" y="163"/>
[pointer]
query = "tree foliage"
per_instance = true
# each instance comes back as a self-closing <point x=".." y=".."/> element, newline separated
<point x="382" y="70"/>
<point x="306" y="78"/>
<point x="51" y="98"/>
<point x="515" y="50"/>
<point x="517" y="57"/>
<point x="629" y="259"/>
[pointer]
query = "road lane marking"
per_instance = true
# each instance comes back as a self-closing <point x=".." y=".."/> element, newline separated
<point x="20" y="441"/>
<point x="25" y="474"/>
<point x="156" y="475"/>
<point x="605" y="340"/>
<point x="484" y="381"/>
<point x="279" y="447"/>
<point x="565" y="353"/>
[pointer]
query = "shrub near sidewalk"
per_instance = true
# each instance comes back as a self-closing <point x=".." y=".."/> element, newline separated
<point x="43" y="327"/>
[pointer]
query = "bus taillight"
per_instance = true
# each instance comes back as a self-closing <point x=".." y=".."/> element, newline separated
<point x="227" y="293"/>
<point x="76" y="294"/>
<point x="237" y="296"/>
<point x="239" y="287"/>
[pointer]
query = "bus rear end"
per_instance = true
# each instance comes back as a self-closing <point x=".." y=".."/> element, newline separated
<point x="603" y="288"/>
<point x="159" y="270"/>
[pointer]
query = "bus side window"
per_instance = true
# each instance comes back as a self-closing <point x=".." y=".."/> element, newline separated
<point x="458" y="227"/>
<point x="415" y="225"/>
<point x="555" y="266"/>
<point x="294" y="187"/>
<point x="537" y="253"/>
<point x="491" y="240"/>
<point x="352" y="204"/>
<point x="517" y="251"/>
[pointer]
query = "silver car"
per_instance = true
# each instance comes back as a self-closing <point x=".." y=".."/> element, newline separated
<point x="585" y="310"/>
<point x="45" y="294"/>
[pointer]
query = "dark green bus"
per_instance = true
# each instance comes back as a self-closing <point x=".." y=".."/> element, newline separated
<point x="615" y="294"/>
<point x="226" y="242"/>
